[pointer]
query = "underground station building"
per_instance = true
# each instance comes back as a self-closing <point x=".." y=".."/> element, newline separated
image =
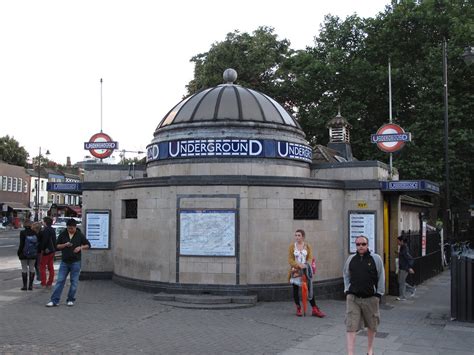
<point x="228" y="179"/>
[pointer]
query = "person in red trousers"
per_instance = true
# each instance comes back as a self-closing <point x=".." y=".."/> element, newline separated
<point x="48" y="250"/>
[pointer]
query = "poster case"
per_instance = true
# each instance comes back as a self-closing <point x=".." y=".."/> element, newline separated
<point x="362" y="223"/>
<point x="206" y="232"/>
<point x="98" y="228"/>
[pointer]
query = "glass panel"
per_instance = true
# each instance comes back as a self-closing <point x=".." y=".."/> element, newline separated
<point x="207" y="107"/>
<point x="185" y="114"/>
<point x="228" y="106"/>
<point x="271" y="113"/>
<point x="250" y="108"/>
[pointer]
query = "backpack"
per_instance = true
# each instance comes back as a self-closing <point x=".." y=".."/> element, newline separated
<point x="30" y="250"/>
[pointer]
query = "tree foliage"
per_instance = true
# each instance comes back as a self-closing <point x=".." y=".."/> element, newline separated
<point x="348" y="68"/>
<point x="256" y="58"/>
<point x="11" y="152"/>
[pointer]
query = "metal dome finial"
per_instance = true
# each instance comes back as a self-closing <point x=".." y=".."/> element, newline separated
<point x="230" y="75"/>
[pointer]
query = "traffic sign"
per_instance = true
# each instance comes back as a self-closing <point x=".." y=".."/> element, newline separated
<point x="390" y="138"/>
<point x="100" y="145"/>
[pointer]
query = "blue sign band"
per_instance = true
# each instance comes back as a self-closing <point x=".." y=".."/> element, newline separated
<point x="198" y="148"/>
<point x="73" y="187"/>
<point x="381" y="138"/>
<point x="410" y="185"/>
<point x="100" y="145"/>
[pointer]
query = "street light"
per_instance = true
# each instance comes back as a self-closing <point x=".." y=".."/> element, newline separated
<point x="38" y="184"/>
<point x="468" y="57"/>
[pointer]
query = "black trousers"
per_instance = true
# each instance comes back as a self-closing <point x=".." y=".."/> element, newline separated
<point x="296" y="296"/>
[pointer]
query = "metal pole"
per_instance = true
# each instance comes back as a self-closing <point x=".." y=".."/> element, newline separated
<point x="38" y="186"/>
<point x="390" y="110"/>
<point x="447" y="217"/>
<point x="101" y="106"/>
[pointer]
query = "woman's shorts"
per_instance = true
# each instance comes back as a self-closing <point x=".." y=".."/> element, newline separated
<point x="362" y="312"/>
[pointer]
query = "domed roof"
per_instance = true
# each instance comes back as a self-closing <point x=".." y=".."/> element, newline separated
<point x="228" y="103"/>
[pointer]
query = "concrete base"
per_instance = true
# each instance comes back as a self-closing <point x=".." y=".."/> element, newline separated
<point x="328" y="289"/>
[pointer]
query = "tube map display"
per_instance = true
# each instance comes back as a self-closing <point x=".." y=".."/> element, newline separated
<point x="207" y="232"/>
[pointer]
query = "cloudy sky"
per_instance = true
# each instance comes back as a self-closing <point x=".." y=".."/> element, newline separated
<point x="53" y="54"/>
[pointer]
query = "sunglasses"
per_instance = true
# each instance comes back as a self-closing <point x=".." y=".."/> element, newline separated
<point x="361" y="244"/>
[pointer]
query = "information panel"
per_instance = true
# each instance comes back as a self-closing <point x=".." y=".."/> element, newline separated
<point x="361" y="223"/>
<point x="207" y="232"/>
<point x="98" y="228"/>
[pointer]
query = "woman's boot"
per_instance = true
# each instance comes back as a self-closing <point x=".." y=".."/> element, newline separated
<point x="32" y="278"/>
<point x="24" y="276"/>
<point x="299" y="313"/>
<point x="317" y="312"/>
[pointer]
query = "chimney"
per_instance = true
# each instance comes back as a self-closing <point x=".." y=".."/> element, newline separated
<point x="68" y="162"/>
<point x="339" y="136"/>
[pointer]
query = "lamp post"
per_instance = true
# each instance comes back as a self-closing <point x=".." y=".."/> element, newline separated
<point x="37" y="217"/>
<point x="468" y="57"/>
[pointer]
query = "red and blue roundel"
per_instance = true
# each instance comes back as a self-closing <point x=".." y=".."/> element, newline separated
<point x="100" y="145"/>
<point x="390" y="138"/>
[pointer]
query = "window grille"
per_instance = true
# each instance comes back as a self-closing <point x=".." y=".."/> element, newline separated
<point x="130" y="208"/>
<point x="306" y="209"/>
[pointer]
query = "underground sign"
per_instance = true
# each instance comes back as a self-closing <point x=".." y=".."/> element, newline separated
<point x="100" y="145"/>
<point x="390" y="138"/>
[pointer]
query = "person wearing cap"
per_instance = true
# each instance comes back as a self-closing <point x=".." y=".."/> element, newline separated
<point x="405" y="267"/>
<point x="364" y="286"/>
<point x="71" y="242"/>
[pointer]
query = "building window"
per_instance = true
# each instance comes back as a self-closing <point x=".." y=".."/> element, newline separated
<point x="129" y="208"/>
<point x="306" y="209"/>
<point x="52" y="198"/>
<point x="10" y="182"/>
<point x="42" y="200"/>
<point x="4" y="183"/>
<point x="42" y="185"/>
<point x="15" y="183"/>
<point x="25" y="188"/>
<point x="19" y="187"/>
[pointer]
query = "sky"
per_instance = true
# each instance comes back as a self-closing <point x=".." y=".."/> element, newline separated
<point x="54" y="53"/>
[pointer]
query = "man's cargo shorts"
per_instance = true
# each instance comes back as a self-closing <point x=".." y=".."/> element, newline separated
<point x="362" y="309"/>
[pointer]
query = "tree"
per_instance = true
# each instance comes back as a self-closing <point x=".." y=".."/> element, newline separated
<point x="347" y="68"/>
<point x="256" y="57"/>
<point x="11" y="152"/>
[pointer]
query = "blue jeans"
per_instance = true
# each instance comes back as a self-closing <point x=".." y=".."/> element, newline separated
<point x="64" y="270"/>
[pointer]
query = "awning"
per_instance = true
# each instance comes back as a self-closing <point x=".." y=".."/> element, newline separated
<point x="76" y="209"/>
<point x="17" y="206"/>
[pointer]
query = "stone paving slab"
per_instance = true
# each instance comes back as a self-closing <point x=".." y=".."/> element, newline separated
<point x="108" y="318"/>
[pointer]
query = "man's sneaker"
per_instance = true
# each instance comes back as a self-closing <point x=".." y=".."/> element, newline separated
<point x="400" y="299"/>
<point x="51" y="304"/>
<point x="37" y="282"/>
<point x="70" y="303"/>
<point x="413" y="293"/>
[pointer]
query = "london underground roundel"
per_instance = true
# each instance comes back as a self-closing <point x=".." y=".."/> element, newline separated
<point x="390" y="138"/>
<point x="100" y="145"/>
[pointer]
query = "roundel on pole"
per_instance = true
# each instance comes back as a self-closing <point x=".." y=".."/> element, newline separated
<point x="390" y="138"/>
<point x="100" y="145"/>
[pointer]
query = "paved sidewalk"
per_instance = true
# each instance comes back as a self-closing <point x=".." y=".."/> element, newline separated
<point x="110" y="319"/>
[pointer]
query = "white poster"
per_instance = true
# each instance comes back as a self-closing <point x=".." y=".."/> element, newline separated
<point x="97" y="229"/>
<point x="207" y="232"/>
<point x="361" y="224"/>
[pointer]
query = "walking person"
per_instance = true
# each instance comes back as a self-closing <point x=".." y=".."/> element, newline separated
<point x="405" y="267"/>
<point x="47" y="250"/>
<point x="364" y="285"/>
<point x="300" y="254"/>
<point x="27" y="253"/>
<point x="71" y="242"/>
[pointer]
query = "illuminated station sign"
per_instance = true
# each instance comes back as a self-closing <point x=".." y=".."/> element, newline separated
<point x="199" y="148"/>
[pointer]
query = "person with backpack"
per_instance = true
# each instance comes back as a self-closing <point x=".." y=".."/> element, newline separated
<point x="47" y="250"/>
<point x="27" y="252"/>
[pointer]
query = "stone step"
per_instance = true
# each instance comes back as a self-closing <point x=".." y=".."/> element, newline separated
<point x="205" y="301"/>
<point x="205" y="306"/>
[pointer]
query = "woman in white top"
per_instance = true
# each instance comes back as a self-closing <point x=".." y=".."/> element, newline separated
<point x="300" y="253"/>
